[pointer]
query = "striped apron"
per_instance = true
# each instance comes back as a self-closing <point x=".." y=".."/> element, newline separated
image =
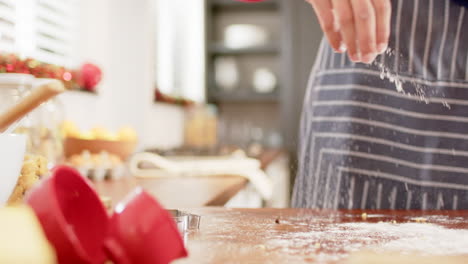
<point x="366" y="145"/>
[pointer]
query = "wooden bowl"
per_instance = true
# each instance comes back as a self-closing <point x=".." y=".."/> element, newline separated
<point x="76" y="146"/>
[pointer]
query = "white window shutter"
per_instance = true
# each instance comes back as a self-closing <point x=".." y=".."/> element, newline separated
<point x="7" y="25"/>
<point x="56" y="28"/>
<point x="46" y="30"/>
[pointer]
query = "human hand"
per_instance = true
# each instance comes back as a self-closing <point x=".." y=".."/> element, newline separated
<point x="360" y="27"/>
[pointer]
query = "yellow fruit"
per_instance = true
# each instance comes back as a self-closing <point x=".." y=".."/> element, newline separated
<point x="69" y="129"/>
<point x="127" y="134"/>
<point x="100" y="133"/>
<point x="86" y="135"/>
<point x="22" y="240"/>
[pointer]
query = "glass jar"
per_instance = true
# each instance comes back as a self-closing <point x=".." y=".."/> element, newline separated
<point x="42" y="125"/>
<point x="13" y="86"/>
<point x="201" y="128"/>
<point x="47" y="138"/>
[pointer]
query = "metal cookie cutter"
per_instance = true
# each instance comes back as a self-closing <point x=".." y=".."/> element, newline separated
<point x="185" y="221"/>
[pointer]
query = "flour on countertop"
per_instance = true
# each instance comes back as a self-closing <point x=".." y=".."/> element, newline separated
<point x="407" y="238"/>
<point x="426" y="239"/>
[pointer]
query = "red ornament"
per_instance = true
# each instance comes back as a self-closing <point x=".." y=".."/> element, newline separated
<point x="89" y="76"/>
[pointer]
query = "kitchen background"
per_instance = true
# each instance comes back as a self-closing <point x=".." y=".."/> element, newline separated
<point x="249" y="62"/>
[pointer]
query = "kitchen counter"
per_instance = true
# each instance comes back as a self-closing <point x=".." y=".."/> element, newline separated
<point x="197" y="191"/>
<point x="310" y="236"/>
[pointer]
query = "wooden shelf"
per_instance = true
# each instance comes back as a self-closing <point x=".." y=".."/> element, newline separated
<point x="245" y="97"/>
<point x="220" y="49"/>
<point x="231" y="4"/>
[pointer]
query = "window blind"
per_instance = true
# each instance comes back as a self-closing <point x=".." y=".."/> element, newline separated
<point x="46" y="30"/>
<point x="7" y="25"/>
<point x="55" y="31"/>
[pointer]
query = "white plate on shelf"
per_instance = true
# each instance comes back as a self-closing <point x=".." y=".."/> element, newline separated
<point x="240" y="36"/>
<point x="12" y="151"/>
<point x="264" y="80"/>
<point x="226" y="73"/>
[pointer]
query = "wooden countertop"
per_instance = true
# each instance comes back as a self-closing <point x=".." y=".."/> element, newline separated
<point x="309" y="236"/>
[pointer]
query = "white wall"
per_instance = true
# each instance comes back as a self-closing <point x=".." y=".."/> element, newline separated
<point x="118" y="36"/>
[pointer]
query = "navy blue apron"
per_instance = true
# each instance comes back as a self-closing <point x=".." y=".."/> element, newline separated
<point x="370" y="142"/>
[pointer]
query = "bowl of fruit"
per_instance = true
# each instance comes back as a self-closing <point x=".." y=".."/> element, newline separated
<point x="98" y="140"/>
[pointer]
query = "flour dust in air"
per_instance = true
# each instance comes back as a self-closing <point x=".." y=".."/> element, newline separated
<point x="385" y="73"/>
<point x="395" y="78"/>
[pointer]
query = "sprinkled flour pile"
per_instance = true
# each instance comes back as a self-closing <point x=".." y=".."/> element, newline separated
<point x="426" y="239"/>
<point x="337" y="242"/>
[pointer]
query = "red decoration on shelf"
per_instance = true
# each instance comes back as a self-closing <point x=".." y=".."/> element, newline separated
<point x="86" y="78"/>
<point x="89" y="76"/>
<point x="164" y="98"/>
